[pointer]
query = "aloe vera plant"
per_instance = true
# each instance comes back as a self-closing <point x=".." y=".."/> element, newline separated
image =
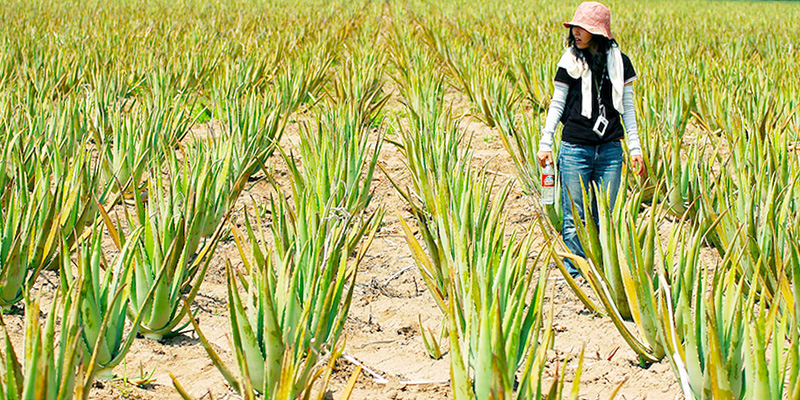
<point x="41" y="356"/>
<point x="431" y="342"/>
<point x="336" y="163"/>
<point x="793" y="367"/>
<point x="493" y="331"/>
<point x="79" y="192"/>
<point x="736" y="344"/>
<point x="480" y="283"/>
<point x="137" y="138"/>
<point x="28" y="241"/>
<point x="249" y="133"/>
<point x="293" y="310"/>
<point x="625" y="268"/>
<point x="104" y="295"/>
<point x="473" y="72"/>
<point x="174" y="220"/>
<point x="751" y="202"/>
<point x="54" y="367"/>
<point x="58" y="207"/>
<point x="297" y="296"/>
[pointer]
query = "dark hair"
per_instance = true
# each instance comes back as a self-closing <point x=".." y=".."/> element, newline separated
<point x="598" y="64"/>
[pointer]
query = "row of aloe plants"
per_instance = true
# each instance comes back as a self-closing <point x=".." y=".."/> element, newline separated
<point x="720" y="160"/>
<point x="130" y="166"/>
<point x="297" y="292"/>
<point x="490" y="293"/>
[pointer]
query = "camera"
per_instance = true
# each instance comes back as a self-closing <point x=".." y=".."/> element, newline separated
<point x="600" y="126"/>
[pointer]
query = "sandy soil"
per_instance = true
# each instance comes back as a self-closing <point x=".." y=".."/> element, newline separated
<point x="382" y="330"/>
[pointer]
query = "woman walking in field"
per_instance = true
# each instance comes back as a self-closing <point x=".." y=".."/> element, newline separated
<point x="593" y="99"/>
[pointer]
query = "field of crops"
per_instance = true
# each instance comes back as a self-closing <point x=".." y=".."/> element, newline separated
<point x="264" y="199"/>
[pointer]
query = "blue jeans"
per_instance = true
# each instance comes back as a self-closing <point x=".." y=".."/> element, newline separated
<point x="600" y="164"/>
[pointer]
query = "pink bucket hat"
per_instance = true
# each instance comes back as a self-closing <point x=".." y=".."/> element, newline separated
<point x="594" y="17"/>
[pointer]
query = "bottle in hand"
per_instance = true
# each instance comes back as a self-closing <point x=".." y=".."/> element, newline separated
<point x="548" y="185"/>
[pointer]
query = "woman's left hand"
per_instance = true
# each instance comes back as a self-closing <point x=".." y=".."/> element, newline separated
<point x="638" y="165"/>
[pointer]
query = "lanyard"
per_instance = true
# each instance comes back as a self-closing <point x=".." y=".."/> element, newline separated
<point x="600" y="107"/>
<point x="601" y="123"/>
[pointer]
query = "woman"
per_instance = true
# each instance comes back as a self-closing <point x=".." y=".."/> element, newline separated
<point x="593" y="98"/>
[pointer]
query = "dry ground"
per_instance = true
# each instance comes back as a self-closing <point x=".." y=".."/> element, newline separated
<point x="382" y="330"/>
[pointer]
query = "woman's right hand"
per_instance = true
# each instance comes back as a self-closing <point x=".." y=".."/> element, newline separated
<point x="544" y="158"/>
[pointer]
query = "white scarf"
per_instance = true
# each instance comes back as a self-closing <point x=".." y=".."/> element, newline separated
<point x="577" y="68"/>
